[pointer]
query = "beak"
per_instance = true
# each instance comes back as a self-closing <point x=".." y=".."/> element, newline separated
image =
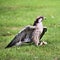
<point x="44" y="18"/>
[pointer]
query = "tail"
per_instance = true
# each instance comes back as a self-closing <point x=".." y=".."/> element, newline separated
<point x="12" y="43"/>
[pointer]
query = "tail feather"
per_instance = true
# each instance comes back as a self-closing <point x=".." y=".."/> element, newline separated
<point x="10" y="44"/>
<point x="13" y="42"/>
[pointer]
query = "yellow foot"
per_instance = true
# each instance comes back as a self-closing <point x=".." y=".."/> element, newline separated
<point x="43" y="43"/>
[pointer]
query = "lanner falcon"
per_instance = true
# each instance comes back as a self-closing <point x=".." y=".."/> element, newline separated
<point x="30" y="34"/>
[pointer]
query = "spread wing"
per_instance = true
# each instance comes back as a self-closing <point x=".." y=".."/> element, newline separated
<point x="21" y="36"/>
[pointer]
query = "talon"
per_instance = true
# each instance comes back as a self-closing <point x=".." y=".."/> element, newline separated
<point x="43" y="43"/>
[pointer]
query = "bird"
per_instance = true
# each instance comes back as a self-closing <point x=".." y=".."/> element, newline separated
<point x="29" y="33"/>
<point x="38" y="31"/>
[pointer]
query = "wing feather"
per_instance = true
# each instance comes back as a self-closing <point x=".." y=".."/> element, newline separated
<point x="21" y="35"/>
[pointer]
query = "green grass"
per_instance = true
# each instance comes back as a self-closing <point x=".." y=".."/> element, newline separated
<point x="16" y="14"/>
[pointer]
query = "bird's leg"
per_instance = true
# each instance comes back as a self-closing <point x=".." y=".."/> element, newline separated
<point x="35" y="40"/>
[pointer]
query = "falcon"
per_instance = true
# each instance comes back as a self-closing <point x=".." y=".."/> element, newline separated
<point x="30" y="34"/>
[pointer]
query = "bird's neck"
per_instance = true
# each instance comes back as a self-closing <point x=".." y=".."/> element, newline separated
<point x="39" y="24"/>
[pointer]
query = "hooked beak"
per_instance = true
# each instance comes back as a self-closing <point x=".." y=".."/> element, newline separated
<point x="44" y="18"/>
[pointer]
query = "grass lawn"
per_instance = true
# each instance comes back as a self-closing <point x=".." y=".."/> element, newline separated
<point x="16" y="14"/>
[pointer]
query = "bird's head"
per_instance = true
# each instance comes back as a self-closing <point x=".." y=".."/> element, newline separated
<point x="39" y="19"/>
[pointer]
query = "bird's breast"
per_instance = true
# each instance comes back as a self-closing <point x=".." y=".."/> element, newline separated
<point x="39" y="27"/>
